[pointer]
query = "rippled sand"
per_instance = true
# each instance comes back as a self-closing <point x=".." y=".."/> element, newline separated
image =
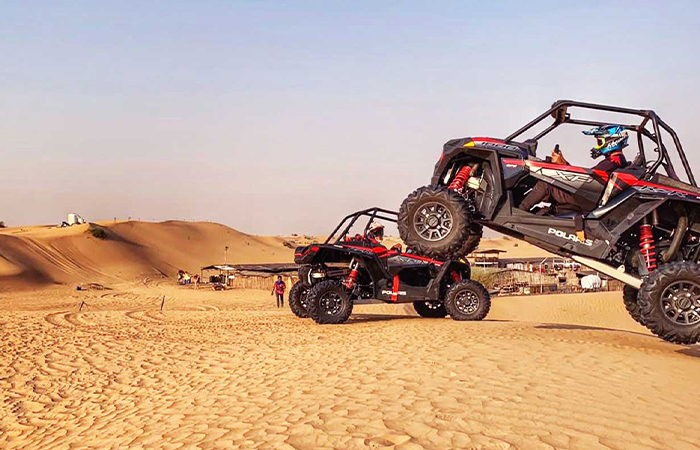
<point x="229" y="370"/>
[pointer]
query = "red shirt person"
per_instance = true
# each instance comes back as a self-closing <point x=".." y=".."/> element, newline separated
<point x="279" y="288"/>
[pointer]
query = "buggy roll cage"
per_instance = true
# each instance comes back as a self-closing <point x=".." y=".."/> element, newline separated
<point x="559" y="111"/>
<point x="372" y="213"/>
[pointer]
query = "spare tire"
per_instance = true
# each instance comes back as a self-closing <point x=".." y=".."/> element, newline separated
<point x="434" y="221"/>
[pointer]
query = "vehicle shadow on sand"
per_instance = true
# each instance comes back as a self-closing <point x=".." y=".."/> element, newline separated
<point x="693" y="351"/>
<point x="365" y="318"/>
<point x="566" y="326"/>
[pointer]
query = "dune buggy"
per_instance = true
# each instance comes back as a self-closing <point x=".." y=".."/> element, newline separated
<point x="637" y="225"/>
<point x="349" y="268"/>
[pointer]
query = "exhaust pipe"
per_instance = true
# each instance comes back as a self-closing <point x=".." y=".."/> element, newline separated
<point x="678" y="235"/>
<point x="610" y="271"/>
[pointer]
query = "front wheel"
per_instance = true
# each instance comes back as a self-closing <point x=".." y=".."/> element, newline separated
<point x="298" y="298"/>
<point x="476" y="231"/>
<point x="670" y="302"/>
<point x="329" y="302"/>
<point x="467" y="300"/>
<point x="434" y="221"/>
<point x="430" y="309"/>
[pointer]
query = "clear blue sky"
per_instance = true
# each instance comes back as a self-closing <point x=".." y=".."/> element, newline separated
<point x="280" y="117"/>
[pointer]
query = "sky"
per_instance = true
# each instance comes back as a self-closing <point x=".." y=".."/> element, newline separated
<point x="282" y="117"/>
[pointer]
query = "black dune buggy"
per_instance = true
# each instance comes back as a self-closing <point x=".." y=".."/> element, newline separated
<point x="640" y="225"/>
<point x="350" y="269"/>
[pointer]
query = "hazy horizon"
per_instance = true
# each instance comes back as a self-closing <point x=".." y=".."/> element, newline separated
<point x="279" y="118"/>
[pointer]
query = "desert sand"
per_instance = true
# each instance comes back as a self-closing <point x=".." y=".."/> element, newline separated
<point x="230" y="370"/>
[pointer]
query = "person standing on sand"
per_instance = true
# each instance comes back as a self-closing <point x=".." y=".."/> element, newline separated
<point x="279" y="289"/>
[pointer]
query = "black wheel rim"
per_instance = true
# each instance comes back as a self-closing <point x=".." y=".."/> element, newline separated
<point x="302" y="297"/>
<point x="331" y="303"/>
<point x="681" y="302"/>
<point x="433" y="221"/>
<point x="467" y="302"/>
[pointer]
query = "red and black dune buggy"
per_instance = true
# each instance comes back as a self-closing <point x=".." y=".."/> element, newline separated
<point x="349" y="268"/>
<point x="640" y="224"/>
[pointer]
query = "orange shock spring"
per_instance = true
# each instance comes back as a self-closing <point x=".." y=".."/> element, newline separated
<point x="461" y="178"/>
<point x="646" y="242"/>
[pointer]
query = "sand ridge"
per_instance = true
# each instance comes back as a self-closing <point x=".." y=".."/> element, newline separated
<point x="228" y="370"/>
<point x="31" y="257"/>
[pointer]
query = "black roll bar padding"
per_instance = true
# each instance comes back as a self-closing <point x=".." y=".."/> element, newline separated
<point x="559" y="111"/>
<point x="372" y="212"/>
<point x="660" y="149"/>
<point x="679" y="148"/>
<point x="369" y="222"/>
<point x="546" y="131"/>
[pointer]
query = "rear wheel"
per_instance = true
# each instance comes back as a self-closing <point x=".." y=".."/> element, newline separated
<point x="670" y="302"/>
<point x="430" y="309"/>
<point x="434" y="221"/>
<point x="629" y="297"/>
<point x="329" y="302"/>
<point x="298" y="296"/>
<point x="467" y="300"/>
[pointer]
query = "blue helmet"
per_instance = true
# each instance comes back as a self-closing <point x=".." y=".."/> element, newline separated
<point x="609" y="138"/>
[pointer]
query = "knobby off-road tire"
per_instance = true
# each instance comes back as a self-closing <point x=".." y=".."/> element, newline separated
<point x="329" y="302"/>
<point x="430" y="309"/>
<point x="434" y="221"/>
<point x="467" y="300"/>
<point x="670" y="302"/>
<point x="476" y="231"/>
<point x="298" y="297"/>
<point x="629" y="297"/>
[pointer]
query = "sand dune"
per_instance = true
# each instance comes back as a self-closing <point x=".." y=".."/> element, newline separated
<point x="33" y="256"/>
<point x="107" y="369"/>
<point x="513" y="248"/>
<point x="228" y="370"/>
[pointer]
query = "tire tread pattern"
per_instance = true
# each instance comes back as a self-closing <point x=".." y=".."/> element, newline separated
<point x="650" y="294"/>
<point x="629" y="297"/>
<point x="295" y="295"/>
<point x="444" y="250"/>
<point x="314" y="297"/>
<point x="475" y="287"/>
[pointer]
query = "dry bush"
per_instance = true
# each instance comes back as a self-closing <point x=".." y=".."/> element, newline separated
<point x="484" y="276"/>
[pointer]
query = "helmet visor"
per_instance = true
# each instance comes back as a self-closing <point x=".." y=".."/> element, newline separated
<point x="599" y="143"/>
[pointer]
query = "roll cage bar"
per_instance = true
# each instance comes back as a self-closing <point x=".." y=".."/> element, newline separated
<point x="559" y="111"/>
<point x="372" y="213"/>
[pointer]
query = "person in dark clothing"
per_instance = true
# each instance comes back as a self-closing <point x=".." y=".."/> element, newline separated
<point x="610" y="140"/>
<point x="278" y="289"/>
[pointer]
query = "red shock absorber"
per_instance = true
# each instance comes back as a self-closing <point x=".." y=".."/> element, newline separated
<point x="646" y="242"/>
<point x="461" y="178"/>
<point x="455" y="276"/>
<point x="352" y="277"/>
